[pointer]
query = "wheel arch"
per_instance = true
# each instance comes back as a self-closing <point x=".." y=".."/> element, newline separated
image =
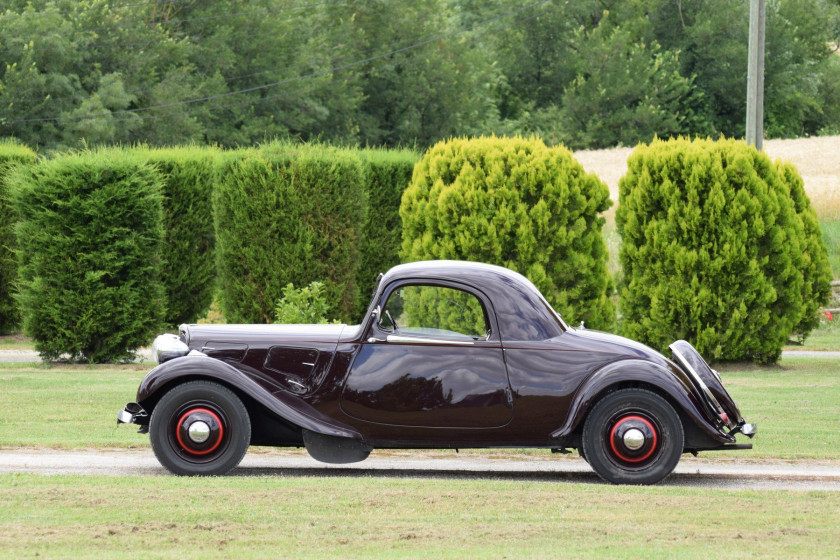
<point x="670" y="385"/>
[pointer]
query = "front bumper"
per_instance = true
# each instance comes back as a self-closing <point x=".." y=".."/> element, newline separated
<point x="133" y="413"/>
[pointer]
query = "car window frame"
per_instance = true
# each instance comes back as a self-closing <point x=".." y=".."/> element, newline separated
<point x="484" y="301"/>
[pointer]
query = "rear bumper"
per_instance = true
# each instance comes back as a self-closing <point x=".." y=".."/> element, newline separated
<point x="746" y="429"/>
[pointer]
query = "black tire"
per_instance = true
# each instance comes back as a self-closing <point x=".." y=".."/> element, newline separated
<point x="215" y="413"/>
<point x="609" y="444"/>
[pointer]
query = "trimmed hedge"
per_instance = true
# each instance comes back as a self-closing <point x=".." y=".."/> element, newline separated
<point x="713" y="250"/>
<point x="12" y="154"/>
<point x="89" y="241"/>
<point x="288" y="214"/>
<point x="188" y="261"/>
<point x="517" y="203"/>
<point x="388" y="173"/>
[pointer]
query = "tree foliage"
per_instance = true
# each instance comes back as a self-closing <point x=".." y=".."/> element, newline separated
<point x="714" y="250"/>
<point x="589" y="73"/>
<point x="12" y="154"/>
<point x="89" y="240"/>
<point x="515" y="203"/>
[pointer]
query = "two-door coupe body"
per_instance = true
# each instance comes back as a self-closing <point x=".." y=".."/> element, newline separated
<point x="449" y="355"/>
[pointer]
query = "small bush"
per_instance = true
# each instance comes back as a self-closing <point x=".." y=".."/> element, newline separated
<point x="188" y="261"/>
<point x="516" y="203"/>
<point x="12" y="154"/>
<point x="713" y="250"/>
<point x="288" y="214"/>
<point x="387" y="173"/>
<point x="304" y="306"/>
<point x="89" y="241"/>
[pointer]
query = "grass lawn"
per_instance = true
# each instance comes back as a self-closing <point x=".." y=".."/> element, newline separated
<point x="796" y="406"/>
<point x="826" y="337"/>
<point x="16" y="342"/>
<point x="337" y="517"/>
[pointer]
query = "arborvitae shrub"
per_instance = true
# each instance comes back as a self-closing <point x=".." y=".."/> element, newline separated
<point x="188" y="259"/>
<point x="288" y="214"/>
<point x="388" y="173"/>
<point x="816" y="270"/>
<point x="89" y="241"/>
<point x="713" y="250"/>
<point x="516" y="203"/>
<point x="12" y="154"/>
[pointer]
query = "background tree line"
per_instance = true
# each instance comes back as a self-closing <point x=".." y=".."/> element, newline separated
<point x="588" y="73"/>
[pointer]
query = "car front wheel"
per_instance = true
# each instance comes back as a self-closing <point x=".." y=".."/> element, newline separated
<point x="633" y="436"/>
<point x="200" y="428"/>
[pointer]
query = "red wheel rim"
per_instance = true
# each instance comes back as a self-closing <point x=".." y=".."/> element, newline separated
<point x="633" y="422"/>
<point x="194" y="414"/>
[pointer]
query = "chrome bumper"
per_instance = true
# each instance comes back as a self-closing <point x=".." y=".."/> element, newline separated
<point x="131" y="414"/>
<point x="744" y="428"/>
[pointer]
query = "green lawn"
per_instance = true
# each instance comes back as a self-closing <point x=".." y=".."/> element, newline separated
<point x="824" y="338"/>
<point x="16" y="342"/>
<point x="337" y="517"/>
<point x="67" y="406"/>
<point x="796" y="406"/>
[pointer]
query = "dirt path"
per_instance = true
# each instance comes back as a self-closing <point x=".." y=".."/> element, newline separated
<point x="731" y="475"/>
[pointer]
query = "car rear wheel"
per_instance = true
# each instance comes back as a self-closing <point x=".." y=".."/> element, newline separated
<point x="633" y="436"/>
<point x="200" y="428"/>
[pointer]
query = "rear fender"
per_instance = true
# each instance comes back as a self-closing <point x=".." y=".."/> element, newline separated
<point x="672" y="382"/>
<point x="286" y="406"/>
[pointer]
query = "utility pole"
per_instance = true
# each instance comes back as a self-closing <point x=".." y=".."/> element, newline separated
<point x="755" y="76"/>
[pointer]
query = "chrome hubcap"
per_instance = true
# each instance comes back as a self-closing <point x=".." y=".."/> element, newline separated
<point x="199" y="431"/>
<point x="634" y="439"/>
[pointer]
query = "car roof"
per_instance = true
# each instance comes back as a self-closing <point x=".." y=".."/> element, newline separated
<point x="521" y="310"/>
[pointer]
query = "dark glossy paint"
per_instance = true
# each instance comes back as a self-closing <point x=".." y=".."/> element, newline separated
<point x="530" y="383"/>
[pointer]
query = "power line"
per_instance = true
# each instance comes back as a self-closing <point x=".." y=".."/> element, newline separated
<point x="284" y="81"/>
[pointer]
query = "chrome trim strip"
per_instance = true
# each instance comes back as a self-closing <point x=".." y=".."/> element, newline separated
<point x="418" y="340"/>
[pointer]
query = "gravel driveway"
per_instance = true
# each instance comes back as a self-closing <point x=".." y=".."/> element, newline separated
<point x="731" y="475"/>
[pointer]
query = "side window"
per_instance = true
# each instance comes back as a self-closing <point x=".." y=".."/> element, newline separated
<point x="434" y="311"/>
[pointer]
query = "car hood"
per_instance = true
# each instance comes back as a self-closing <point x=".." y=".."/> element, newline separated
<point x="198" y="336"/>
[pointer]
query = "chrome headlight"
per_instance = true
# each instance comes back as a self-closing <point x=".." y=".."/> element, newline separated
<point x="168" y="346"/>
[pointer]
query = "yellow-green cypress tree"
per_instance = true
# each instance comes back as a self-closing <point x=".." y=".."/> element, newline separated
<point x="713" y="250"/>
<point x="516" y="203"/>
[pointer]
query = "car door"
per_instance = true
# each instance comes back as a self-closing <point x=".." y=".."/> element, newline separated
<point x="432" y="359"/>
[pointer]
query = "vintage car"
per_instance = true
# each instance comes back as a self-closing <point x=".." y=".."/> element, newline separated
<point x="449" y="355"/>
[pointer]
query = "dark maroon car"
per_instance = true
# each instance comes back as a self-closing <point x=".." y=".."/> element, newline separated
<point x="449" y="355"/>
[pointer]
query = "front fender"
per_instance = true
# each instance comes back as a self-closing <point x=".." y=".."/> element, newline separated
<point x="284" y="405"/>
<point x="671" y="381"/>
